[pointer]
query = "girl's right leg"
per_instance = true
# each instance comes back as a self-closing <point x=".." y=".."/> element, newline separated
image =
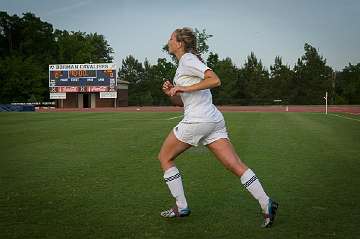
<point x="170" y="149"/>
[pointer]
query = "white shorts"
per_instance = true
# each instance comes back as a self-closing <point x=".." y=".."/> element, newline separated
<point x="200" y="133"/>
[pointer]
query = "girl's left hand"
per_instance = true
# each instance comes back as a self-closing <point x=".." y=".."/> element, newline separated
<point x="178" y="89"/>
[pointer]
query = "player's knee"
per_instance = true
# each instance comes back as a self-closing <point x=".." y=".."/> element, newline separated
<point x="236" y="169"/>
<point x="239" y="170"/>
<point x="163" y="158"/>
<point x="230" y="167"/>
<point x="159" y="157"/>
<point x="165" y="162"/>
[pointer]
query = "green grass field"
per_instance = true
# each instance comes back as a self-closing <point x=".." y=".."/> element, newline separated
<point x="95" y="175"/>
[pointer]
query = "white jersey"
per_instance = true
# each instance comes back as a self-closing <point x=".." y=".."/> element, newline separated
<point x="198" y="106"/>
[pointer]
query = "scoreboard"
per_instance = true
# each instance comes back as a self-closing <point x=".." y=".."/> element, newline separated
<point x="83" y="78"/>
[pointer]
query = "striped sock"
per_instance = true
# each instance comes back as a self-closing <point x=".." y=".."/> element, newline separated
<point x="173" y="180"/>
<point x="253" y="185"/>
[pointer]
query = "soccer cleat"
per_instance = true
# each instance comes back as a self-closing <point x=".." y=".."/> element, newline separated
<point x="269" y="215"/>
<point x="175" y="212"/>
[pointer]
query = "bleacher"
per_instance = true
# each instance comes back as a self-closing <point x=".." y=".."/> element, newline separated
<point x="16" y="107"/>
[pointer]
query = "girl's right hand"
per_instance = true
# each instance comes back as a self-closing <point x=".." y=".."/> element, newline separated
<point x="166" y="87"/>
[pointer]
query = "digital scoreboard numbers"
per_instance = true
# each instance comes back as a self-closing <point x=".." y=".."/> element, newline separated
<point x="82" y="78"/>
<point x="82" y="73"/>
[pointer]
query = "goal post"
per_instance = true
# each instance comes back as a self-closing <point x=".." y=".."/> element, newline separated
<point x="326" y="102"/>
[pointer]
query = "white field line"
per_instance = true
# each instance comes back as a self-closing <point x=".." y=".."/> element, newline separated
<point x="346" y="117"/>
<point x="130" y="119"/>
<point x="174" y="117"/>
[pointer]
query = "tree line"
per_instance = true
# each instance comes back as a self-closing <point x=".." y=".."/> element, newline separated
<point x="252" y="84"/>
<point x="28" y="45"/>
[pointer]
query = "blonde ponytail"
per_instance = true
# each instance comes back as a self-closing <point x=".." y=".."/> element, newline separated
<point x="187" y="36"/>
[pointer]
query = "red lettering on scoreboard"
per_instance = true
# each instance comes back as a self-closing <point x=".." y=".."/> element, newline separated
<point x="68" y="89"/>
<point x="97" y="88"/>
<point x="64" y="89"/>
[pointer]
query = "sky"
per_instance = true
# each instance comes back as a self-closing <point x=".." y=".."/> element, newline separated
<point x="267" y="28"/>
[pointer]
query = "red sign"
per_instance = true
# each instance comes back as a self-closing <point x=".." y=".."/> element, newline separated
<point x="97" y="88"/>
<point x="68" y="89"/>
<point x="64" y="89"/>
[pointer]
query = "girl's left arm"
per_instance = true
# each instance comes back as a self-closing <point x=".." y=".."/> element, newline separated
<point x="211" y="80"/>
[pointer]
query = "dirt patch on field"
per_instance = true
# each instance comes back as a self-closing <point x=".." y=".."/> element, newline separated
<point x="292" y="108"/>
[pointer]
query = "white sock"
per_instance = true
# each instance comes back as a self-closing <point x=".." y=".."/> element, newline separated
<point x="173" y="180"/>
<point x="253" y="185"/>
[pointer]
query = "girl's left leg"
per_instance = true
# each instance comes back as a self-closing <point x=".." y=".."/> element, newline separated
<point x="225" y="153"/>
